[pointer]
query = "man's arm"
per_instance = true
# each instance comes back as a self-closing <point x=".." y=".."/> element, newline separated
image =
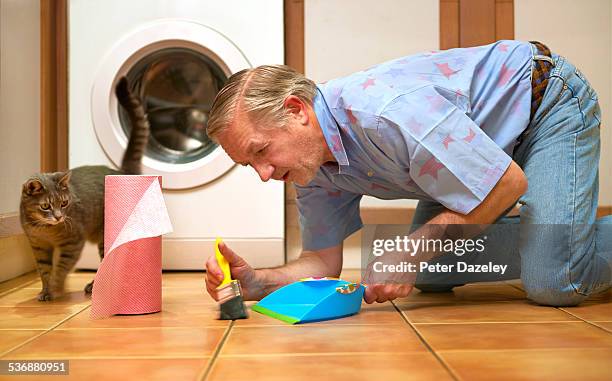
<point x="258" y="283"/>
<point x="504" y="194"/>
<point x="320" y="263"/>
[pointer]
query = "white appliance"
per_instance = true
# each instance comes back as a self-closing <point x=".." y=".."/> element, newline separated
<point x="177" y="54"/>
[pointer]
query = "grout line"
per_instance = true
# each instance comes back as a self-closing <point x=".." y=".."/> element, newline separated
<point x="102" y="357"/>
<point x="521" y="350"/>
<point x="318" y="354"/>
<point x="584" y="320"/>
<point x="206" y="371"/>
<point x="3" y="354"/>
<point x="498" y="322"/>
<point x="426" y="344"/>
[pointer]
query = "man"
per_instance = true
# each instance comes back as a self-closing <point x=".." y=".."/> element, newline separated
<point x="469" y="132"/>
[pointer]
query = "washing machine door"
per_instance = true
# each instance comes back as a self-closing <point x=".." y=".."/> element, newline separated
<point x="176" y="68"/>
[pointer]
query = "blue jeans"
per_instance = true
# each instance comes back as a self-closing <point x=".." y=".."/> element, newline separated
<point x="558" y="247"/>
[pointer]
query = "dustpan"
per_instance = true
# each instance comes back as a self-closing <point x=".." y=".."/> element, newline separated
<point x="312" y="299"/>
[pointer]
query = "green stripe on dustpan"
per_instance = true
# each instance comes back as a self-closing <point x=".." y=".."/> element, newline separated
<point x="275" y="315"/>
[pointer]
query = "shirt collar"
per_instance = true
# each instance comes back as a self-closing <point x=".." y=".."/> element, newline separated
<point x="329" y="126"/>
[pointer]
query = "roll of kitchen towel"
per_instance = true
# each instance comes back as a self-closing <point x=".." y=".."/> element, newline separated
<point x="128" y="280"/>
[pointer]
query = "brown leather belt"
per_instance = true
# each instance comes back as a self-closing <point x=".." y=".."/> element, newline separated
<point x="540" y="74"/>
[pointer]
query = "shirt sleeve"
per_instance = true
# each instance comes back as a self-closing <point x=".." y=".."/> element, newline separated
<point x="326" y="215"/>
<point x="449" y="157"/>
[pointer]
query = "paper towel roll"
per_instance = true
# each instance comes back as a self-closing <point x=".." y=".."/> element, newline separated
<point x="129" y="278"/>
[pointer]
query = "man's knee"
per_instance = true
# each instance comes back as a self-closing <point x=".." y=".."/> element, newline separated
<point x="552" y="293"/>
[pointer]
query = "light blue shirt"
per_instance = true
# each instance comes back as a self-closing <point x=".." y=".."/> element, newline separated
<point x="436" y="126"/>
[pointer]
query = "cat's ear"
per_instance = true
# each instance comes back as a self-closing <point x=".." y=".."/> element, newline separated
<point x="64" y="180"/>
<point x="32" y="186"/>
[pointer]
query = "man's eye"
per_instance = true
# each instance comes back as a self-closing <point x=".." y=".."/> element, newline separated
<point x="45" y="206"/>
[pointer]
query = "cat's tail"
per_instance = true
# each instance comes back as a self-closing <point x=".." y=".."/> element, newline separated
<point x="139" y="135"/>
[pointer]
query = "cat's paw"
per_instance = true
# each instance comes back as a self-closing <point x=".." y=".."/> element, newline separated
<point x="45" y="296"/>
<point x="89" y="287"/>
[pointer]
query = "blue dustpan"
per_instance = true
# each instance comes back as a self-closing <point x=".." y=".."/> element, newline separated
<point x="312" y="299"/>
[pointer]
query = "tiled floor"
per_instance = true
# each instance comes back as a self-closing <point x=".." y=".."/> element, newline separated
<point x="479" y="332"/>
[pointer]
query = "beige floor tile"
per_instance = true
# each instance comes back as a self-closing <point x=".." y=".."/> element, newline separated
<point x="10" y="339"/>
<point x="592" y="311"/>
<point x="35" y="318"/>
<point x="350" y="367"/>
<point x="321" y="339"/>
<point x="518" y="311"/>
<point x="74" y="282"/>
<point x="188" y="296"/>
<point x="607" y="325"/>
<point x="171" y="315"/>
<point x="108" y="342"/>
<point x="477" y="292"/>
<point x="134" y="369"/>
<point x="28" y="297"/>
<point x="379" y="313"/>
<point x="514" y="336"/>
<point x="180" y="279"/>
<point x="573" y="364"/>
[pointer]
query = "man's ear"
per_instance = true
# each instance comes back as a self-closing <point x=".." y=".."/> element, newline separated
<point x="297" y="108"/>
<point x="64" y="180"/>
<point x="32" y="186"/>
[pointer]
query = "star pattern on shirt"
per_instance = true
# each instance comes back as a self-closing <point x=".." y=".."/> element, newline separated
<point x="491" y="175"/>
<point x="446" y="70"/>
<point x="431" y="168"/>
<point x="502" y="47"/>
<point x="414" y="126"/>
<point x="368" y="82"/>
<point x="448" y="139"/>
<point x="336" y="143"/>
<point x="470" y="136"/>
<point x="435" y="103"/>
<point x="505" y="74"/>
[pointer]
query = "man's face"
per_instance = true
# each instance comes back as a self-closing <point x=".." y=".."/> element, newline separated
<point x="291" y="153"/>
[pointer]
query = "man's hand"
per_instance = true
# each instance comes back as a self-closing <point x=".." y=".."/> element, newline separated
<point x="240" y="270"/>
<point x="387" y="286"/>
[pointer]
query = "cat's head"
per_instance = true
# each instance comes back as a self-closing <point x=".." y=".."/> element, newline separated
<point x="46" y="197"/>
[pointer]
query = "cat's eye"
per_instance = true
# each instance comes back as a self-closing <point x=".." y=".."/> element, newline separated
<point x="45" y="206"/>
<point x="64" y="203"/>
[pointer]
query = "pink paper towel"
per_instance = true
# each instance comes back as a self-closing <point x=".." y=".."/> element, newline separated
<point x="129" y="278"/>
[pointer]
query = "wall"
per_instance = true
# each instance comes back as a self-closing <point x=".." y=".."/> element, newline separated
<point x="19" y="122"/>
<point x="580" y="31"/>
<point x="345" y="36"/>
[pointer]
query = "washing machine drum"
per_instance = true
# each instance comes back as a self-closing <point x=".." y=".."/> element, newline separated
<point x="177" y="87"/>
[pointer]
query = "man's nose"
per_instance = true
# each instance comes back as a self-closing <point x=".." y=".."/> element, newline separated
<point x="265" y="171"/>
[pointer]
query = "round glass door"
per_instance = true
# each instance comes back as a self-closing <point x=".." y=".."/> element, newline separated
<point x="177" y="87"/>
<point x="176" y="68"/>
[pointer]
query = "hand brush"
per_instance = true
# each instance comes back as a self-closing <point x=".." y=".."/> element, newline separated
<point x="231" y="303"/>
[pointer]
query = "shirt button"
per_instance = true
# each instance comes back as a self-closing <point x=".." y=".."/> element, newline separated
<point x="370" y="173"/>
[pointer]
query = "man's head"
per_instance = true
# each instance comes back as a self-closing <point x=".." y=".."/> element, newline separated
<point x="263" y="117"/>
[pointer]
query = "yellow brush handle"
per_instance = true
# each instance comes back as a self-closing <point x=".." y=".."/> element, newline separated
<point x="223" y="264"/>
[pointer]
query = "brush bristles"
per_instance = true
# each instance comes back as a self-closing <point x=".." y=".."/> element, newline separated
<point x="231" y="302"/>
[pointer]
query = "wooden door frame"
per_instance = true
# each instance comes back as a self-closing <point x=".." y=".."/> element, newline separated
<point x="53" y="85"/>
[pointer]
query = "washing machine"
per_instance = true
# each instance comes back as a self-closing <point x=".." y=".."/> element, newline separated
<point x="177" y="54"/>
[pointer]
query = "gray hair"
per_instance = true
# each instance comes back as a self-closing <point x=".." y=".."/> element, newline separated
<point x="260" y="94"/>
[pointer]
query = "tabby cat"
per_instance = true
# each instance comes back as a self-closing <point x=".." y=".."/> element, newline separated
<point x="64" y="209"/>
